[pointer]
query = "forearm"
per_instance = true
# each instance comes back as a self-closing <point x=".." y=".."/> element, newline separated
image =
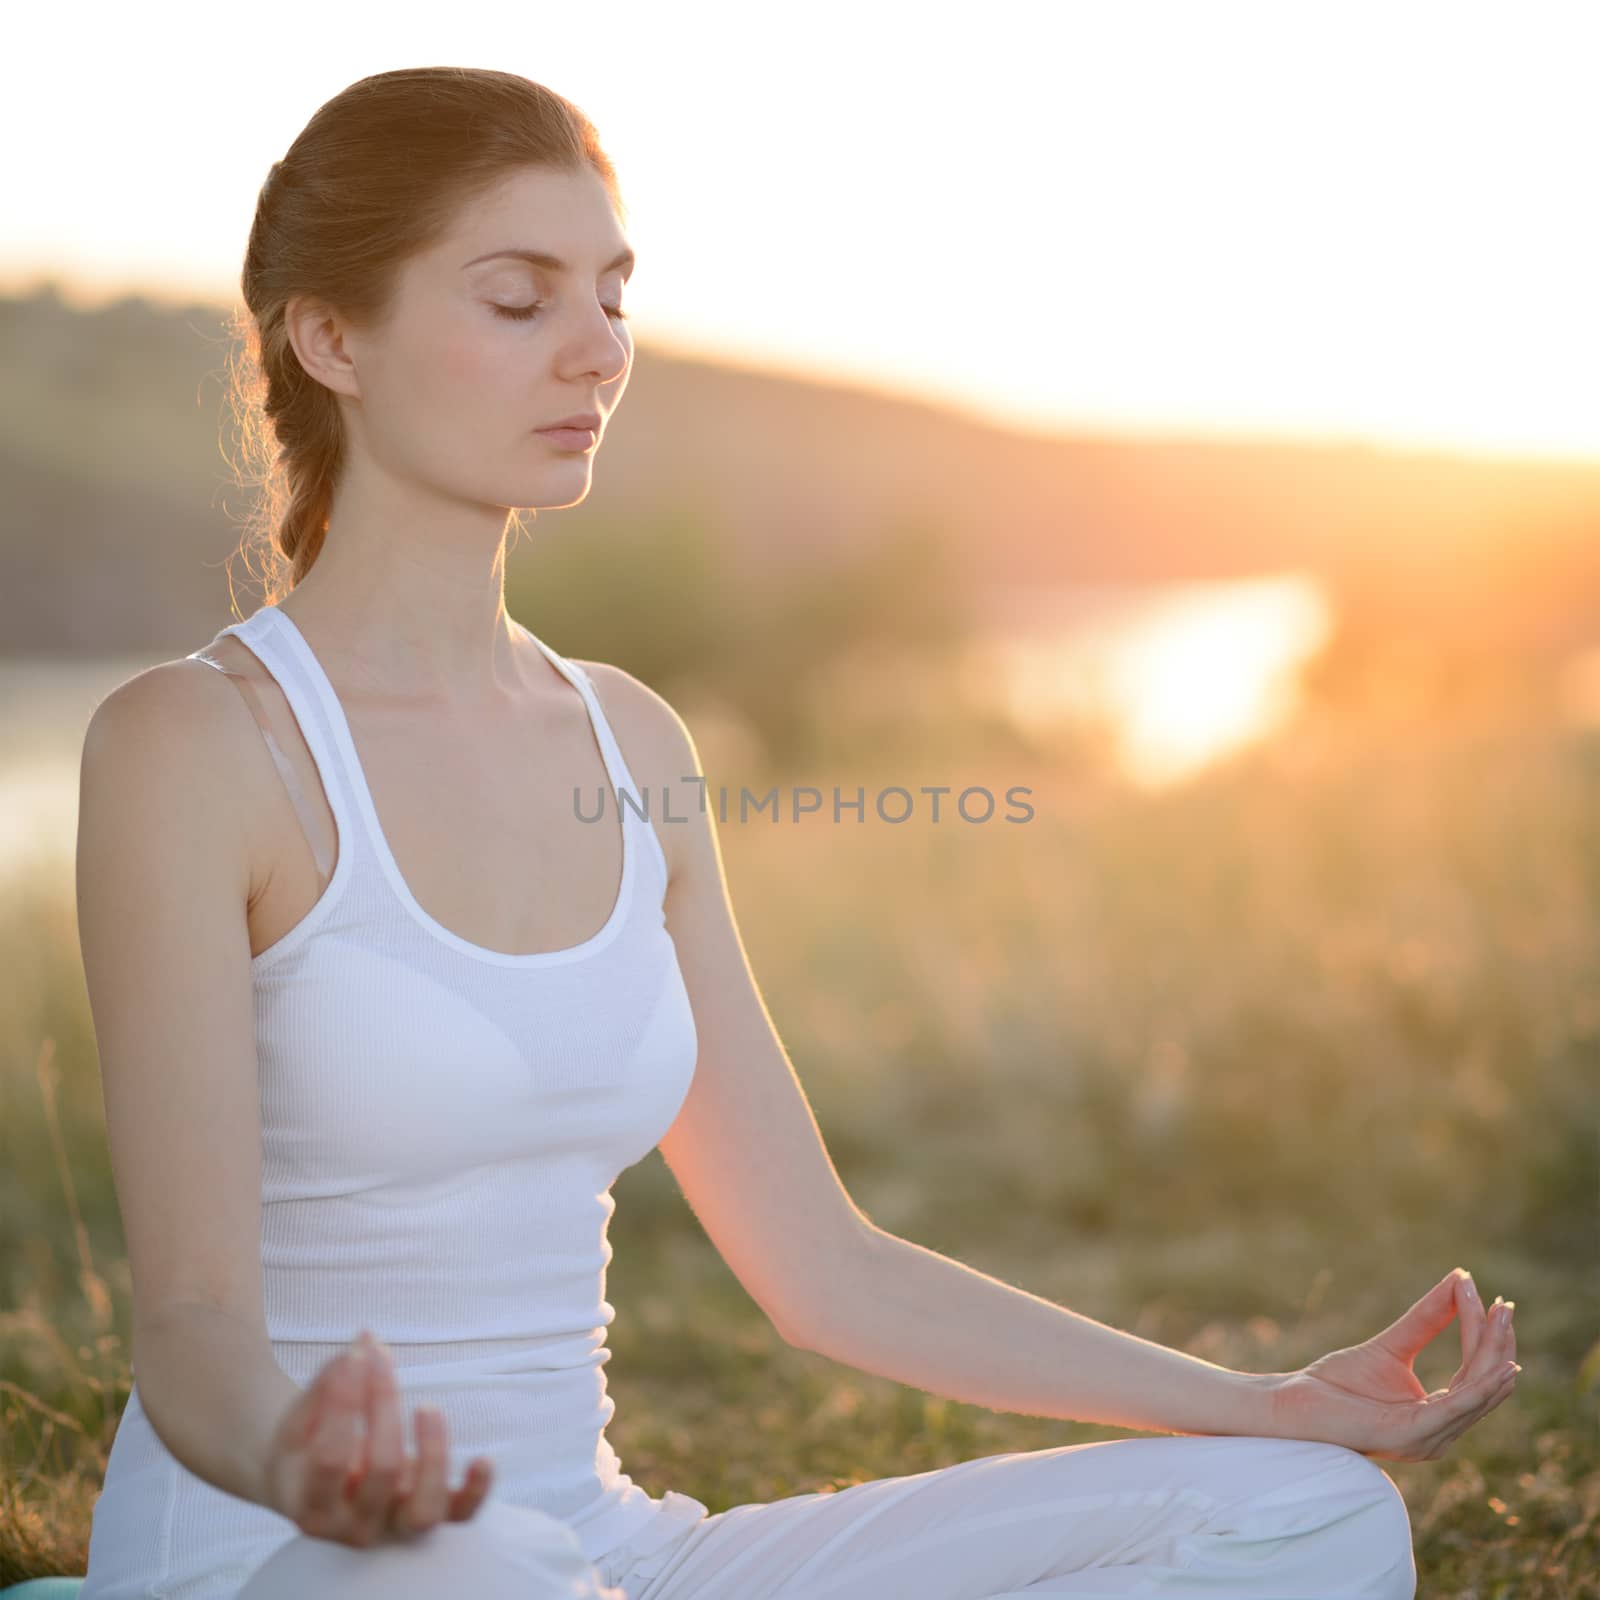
<point x="904" y="1312"/>
<point x="214" y="1394"/>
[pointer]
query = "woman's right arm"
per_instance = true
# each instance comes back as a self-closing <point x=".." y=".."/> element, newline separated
<point x="164" y="875"/>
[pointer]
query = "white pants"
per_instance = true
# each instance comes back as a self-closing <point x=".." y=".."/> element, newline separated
<point x="1231" y="1517"/>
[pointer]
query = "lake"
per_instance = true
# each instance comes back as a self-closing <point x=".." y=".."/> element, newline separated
<point x="1182" y="673"/>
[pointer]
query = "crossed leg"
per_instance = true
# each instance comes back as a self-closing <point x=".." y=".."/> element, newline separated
<point x="1241" y="1516"/>
<point x="504" y="1552"/>
<point x="1162" y="1516"/>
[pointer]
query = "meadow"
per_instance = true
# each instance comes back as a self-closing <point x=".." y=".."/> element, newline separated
<point x="1243" y="1067"/>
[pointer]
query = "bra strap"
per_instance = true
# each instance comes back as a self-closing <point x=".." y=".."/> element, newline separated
<point x="297" y="795"/>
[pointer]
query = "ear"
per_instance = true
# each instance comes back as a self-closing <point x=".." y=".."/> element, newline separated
<point x="317" y="333"/>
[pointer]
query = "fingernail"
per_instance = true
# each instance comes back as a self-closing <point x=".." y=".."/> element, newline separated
<point x="1472" y="1290"/>
<point x="1511" y="1307"/>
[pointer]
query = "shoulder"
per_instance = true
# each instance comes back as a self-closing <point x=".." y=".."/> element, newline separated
<point x="641" y="717"/>
<point x="173" y="734"/>
<point x="171" y="711"/>
<point x="657" y="745"/>
<point x="165" y="806"/>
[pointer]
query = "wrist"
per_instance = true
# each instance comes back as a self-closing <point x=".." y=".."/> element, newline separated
<point x="1236" y="1403"/>
<point x="1261" y="1390"/>
<point x="266" y="1491"/>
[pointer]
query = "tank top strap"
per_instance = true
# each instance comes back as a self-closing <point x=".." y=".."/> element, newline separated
<point x="264" y="635"/>
<point x="631" y="801"/>
<point x="616" y="763"/>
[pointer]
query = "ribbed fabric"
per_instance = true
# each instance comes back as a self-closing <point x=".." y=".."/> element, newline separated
<point x="441" y="1125"/>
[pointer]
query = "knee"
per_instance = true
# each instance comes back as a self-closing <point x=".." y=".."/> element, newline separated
<point x="505" y="1552"/>
<point x="1387" y="1544"/>
<point x="1398" y="1579"/>
<point x="1332" y="1508"/>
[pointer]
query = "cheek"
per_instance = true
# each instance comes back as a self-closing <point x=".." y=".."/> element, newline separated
<point x="462" y="357"/>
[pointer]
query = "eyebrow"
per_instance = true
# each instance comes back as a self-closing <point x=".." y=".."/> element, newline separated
<point x="540" y="259"/>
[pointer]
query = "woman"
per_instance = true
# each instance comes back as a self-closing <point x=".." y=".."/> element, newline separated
<point x="380" y="1025"/>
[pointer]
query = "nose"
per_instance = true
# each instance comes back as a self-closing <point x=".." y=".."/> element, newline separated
<point x="599" y="348"/>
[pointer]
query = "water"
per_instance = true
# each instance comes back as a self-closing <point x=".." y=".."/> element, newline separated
<point x="1179" y="673"/>
<point x="45" y="706"/>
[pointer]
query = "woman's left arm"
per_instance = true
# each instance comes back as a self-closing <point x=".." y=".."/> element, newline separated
<point x="910" y="1314"/>
<point x="749" y="1158"/>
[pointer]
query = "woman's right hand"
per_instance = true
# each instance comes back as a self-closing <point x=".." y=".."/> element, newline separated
<point x="334" y="1484"/>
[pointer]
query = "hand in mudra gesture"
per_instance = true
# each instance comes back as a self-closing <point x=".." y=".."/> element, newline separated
<point x="332" y="1483"/>
<point x="1368" y="1398"/>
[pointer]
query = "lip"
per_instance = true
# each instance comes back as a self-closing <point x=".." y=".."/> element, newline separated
<point x="569" y="438"/>
<point x="579" y="419"/>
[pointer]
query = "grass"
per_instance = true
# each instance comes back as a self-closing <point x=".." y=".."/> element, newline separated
<point x="1244" y="1067"/>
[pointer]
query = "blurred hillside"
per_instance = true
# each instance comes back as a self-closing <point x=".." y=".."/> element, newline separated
<point x="747" y="495"/>
<point x="1252" y="1060"/>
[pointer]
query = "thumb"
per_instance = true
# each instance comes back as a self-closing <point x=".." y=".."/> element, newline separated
<point x="1418" y="1326"/>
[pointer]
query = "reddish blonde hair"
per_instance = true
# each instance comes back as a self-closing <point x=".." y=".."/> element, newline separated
<point x="378" y="174"/>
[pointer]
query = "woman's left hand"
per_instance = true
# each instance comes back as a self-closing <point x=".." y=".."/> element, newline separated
<point x="1367" y="1397"/>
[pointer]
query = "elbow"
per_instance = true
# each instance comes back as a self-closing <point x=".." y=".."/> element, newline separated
<point x="815" y="1319"/>
<point x="793" y="1333"/>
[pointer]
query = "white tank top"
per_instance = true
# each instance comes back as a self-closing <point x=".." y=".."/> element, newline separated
<point x="441" y="1126"/>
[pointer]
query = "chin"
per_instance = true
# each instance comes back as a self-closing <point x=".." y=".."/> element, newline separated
<point x="554" y="500"/>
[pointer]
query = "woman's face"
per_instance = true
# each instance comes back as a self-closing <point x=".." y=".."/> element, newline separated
<point x="485" y="347"/>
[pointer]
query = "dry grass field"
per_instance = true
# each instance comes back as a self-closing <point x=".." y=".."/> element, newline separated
<point x="1244" y="1067"/>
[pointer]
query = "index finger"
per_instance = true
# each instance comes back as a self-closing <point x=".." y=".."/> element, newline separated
<point x="1469" y="1309"/>
<point x="1422" y="1322"/>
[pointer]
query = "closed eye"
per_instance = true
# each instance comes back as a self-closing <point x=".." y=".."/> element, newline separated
<point x="525" y="313"/>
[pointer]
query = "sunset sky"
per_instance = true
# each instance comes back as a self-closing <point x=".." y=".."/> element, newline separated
<point x="1373" y="221"/>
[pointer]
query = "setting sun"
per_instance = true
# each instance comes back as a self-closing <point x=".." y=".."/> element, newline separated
<point x="1357" y="222"/>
